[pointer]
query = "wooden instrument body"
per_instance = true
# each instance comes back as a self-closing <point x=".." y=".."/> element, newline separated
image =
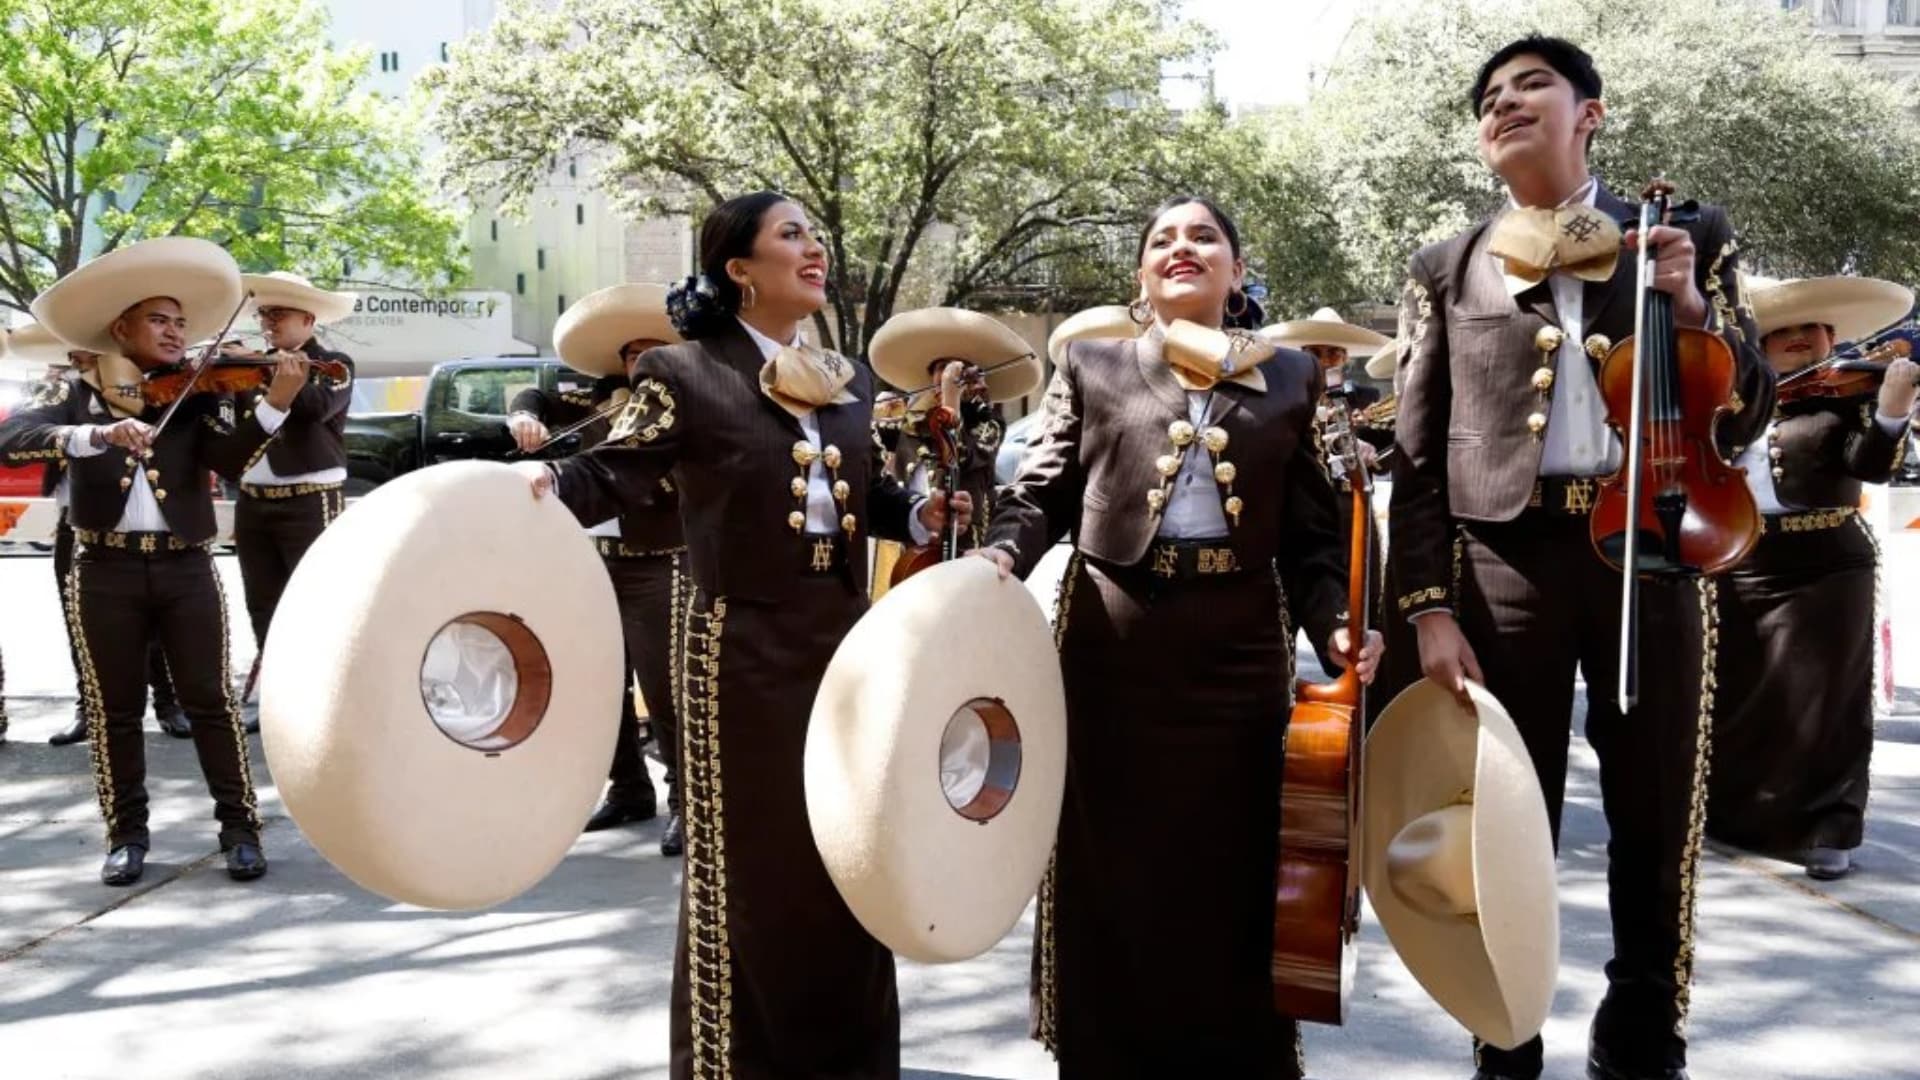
<point x="1720" y="523"/>
<point x="1316" y="907"/>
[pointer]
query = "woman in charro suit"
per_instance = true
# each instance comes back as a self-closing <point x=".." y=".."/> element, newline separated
<point x="768" y="443"/>
<point x="1793" y="721"/>
<point x="1184" y="465"/>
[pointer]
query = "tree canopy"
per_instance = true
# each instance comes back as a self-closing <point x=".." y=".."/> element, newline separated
<point x="1817" y="159"/>
<point x="230" y="120"/>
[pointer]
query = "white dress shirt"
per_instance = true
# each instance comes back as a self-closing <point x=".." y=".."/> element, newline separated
<point x="1194" y="510"/>
<point x="1577" y="441"/>
<point x="823" y="514"/>
<point x="142" y="511"/>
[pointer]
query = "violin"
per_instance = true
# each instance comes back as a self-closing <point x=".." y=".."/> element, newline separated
<point x="1316" y="908"/>
<point x="944" y="430"/>
<point x="1843" y="377"/>
<point x="233" y="373"/>
<point x="1674" y="507"/>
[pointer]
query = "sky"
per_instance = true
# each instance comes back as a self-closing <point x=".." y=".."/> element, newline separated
<point x="1272" y="46"/>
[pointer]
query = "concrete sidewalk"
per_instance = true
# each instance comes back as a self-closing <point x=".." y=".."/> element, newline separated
<point x="303" y="975"/>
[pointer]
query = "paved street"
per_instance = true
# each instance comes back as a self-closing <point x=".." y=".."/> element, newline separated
<point x="304" y="975"/>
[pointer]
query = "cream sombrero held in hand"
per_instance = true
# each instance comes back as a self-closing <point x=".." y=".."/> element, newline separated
<point x="1108" y="321"/>
<point x="1458" y="859"/>
<point x="1383" y="364"/>
<point x="281" y="289"/>
<point x="589" y="336"/>
<point x="198" y="275"/>
<point x="911" y="341"/>
<point x="1854" y="306"/>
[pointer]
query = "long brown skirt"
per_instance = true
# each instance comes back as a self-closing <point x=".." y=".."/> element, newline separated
<point x="772" y="975"/>
<point x="1156" y="931"/>
<point x="1793" y="726"/>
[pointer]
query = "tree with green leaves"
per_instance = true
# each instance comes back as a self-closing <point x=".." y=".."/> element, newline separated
<point x="1026" y="133"/>
<point x="224" y="119"/>
<point x="1816" y="159"/>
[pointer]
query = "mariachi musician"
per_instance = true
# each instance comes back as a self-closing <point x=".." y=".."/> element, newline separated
<point x="142" y="513"/>
<point x="603" y="336"/>
<point x="1502" y="434"/>
<point x="66" y="369"/>
<point x="291" y="495"/>
<point x="1793" y="722"/>
<point x="1184" y="466"/>
<point x="768" y="441"/>
<point x="919" y="351"/>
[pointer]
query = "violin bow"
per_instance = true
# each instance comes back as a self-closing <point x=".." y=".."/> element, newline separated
<point x="601" y="413"/>
<point x="200" y="368"/>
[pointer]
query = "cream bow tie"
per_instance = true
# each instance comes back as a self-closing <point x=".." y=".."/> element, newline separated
<point x="1201" y="357"/>
<point x="1534" y="243"/>
<point x="801" y="378"/>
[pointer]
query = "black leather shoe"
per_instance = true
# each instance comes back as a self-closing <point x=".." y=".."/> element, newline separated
<point x="250" y="717"/>
<point x="175" y="723"/>
<point x="124" y="865"/>
<point x="1600" y="1066"/>
<point x="673" y="839"/>
<point x="1828" y="864"/>
<point x="245" y="862"/>
<point x="74" y="734"/>
<point x="613" y="813"/>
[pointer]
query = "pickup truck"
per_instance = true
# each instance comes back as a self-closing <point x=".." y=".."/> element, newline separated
<point x="463" y="415"/>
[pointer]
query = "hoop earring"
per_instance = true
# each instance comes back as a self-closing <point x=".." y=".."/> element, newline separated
<point x="1232" y="313"/>
<point x="1140" y="312"/>
<point x="748" y="297"/>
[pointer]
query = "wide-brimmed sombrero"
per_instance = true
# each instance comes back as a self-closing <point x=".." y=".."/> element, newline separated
<point x="1458" y="859"/>
<point x="1854" y="306"/>
<point x="1326" y="327"/>
<point x="589" y="335"/>
<point x="912" y="340"/>
<point x="936" y="761"/>
<point x="196" y="274"/>
<point x="1108" y="321"/>
<point x="282" y="289"/>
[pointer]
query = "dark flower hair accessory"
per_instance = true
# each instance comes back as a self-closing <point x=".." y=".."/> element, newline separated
<point x="692" y="304"/>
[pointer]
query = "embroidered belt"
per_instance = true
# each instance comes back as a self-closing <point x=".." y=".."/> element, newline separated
<point x="1807" y="521"/>
<point x="611" y="548"/>
<point x="1570" y="496"/>
<point x="138" y="543"/>
<point x="285" y="491"/>
<point x="823" y="553"/>
<point x="1182" y="560"/>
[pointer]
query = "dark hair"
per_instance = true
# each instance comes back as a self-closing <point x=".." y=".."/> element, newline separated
<point x="1250" y="315"/>
<point x="706" y="303"/>
<point x="1563" y="56"/>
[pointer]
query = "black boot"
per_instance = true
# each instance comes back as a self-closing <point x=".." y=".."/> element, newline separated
<point x="124" y="865"/>
<point x="245" y="861"/>
<point x="673" y="839"/>
<point x="620" y="810"/>
<point x="173" y="721"/>
<point x="1601" y="1065"/>
<point x="74" y="734"/>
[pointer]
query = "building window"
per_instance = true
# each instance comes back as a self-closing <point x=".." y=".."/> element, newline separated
<point x="563" y="306"/>
<point x="520" y="284"/>
<point x="396" y="60"/>
<point x="579" y="214"/>
<point x="1903" y="13"/>
<point x="573" y="169"/>
<point x="540" y="259"/>
<point x="443" y="52"/>
<point x="495" y="229"/>
<point x="346" y="268"/>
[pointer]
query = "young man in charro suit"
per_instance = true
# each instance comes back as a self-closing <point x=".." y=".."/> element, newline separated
<point x="1502" y="434"/>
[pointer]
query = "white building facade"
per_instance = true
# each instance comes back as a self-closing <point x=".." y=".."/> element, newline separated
<point x="1883" y="34"/>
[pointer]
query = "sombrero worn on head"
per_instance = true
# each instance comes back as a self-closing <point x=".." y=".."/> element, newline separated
<point x="196" y="274"/>
<point x="912" y="340"/>
<point x="1853" y="306"/>
<point x="1109" y="321"/>
<point x="589" y="336"/>
<point x="1326" y="327"/>
<point x="284" y="290"/>
<point x="115" y="376"/>
<point x="1458" y="859"/>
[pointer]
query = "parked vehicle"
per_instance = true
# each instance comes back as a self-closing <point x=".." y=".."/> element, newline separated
<point x="463" y="416"/>
<point x="22" y="482"/>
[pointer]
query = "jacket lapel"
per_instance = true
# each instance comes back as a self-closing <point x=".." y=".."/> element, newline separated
<point x="1225" y="399"/>
<point x="1485" y="279"/>
<point x="740" y="353"/>
<point x="1603" y="296"/>
<point x="1159" y="377"/>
